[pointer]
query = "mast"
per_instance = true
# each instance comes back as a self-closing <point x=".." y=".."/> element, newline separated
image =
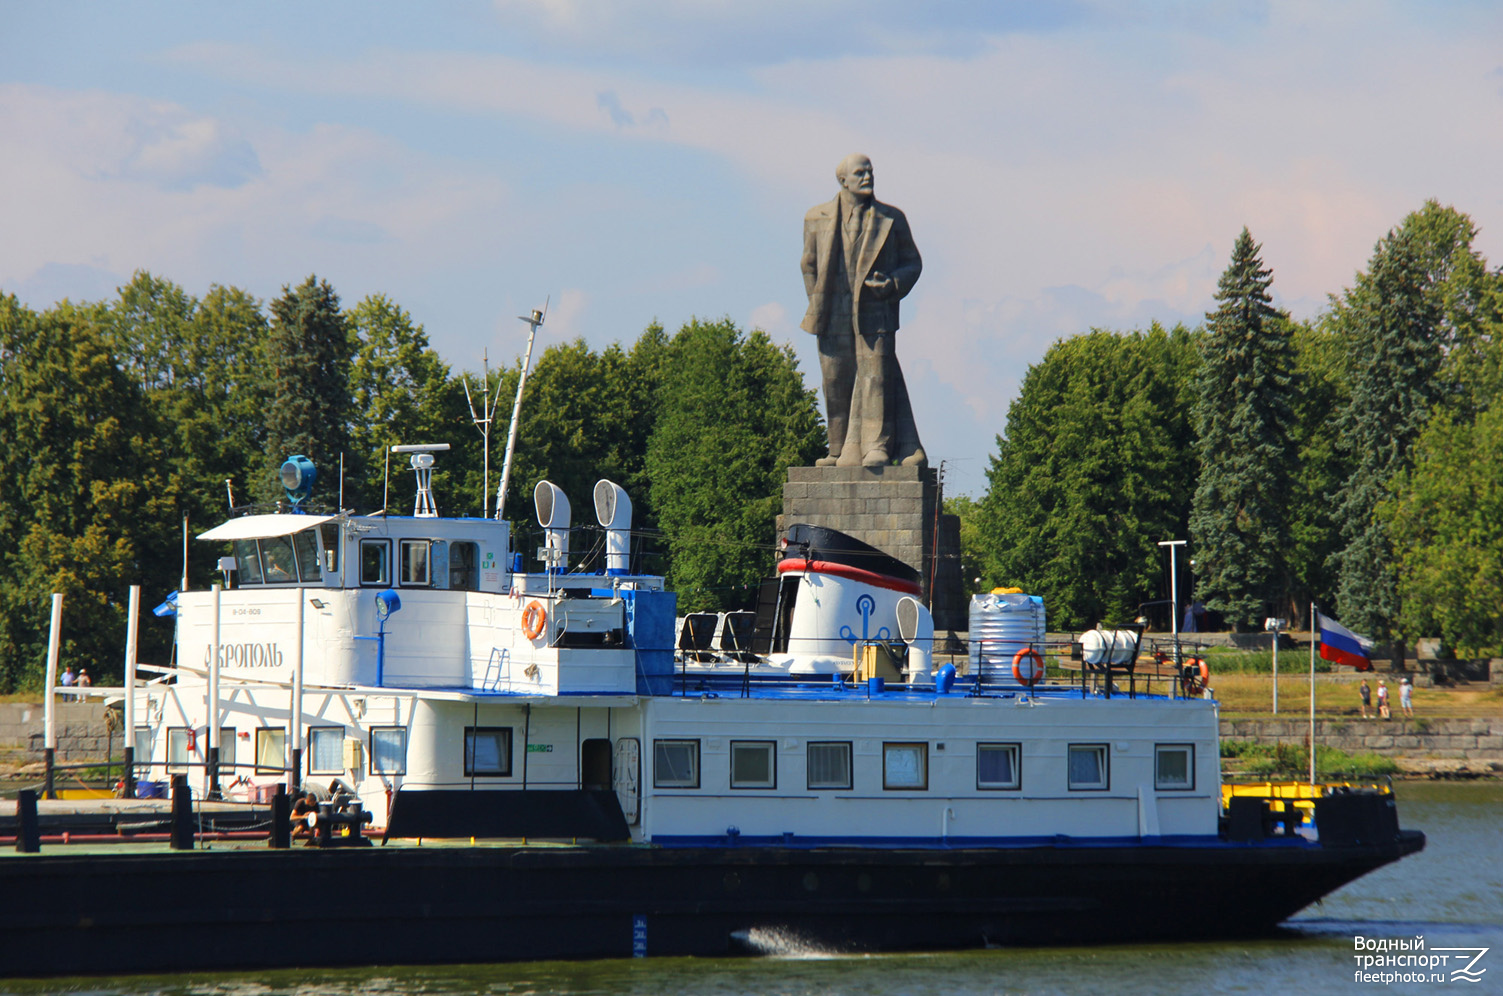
<point x="533" y="321"/>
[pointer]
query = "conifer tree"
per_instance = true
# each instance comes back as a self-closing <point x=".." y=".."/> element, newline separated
<point x="1243" y="420"/>
<point x="309" y="351"/>
<point x="1398" y="325"/>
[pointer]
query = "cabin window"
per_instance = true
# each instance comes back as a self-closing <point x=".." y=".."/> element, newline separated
<point x="375" y="562"/>
<point x="464" y="566"/>
<point x="271" y="750"/>
<point x="1174" y="766"/>
<point x="829" y="765"/>
<point x="326" y="750"/>
<point x="181" y="743"/>
<point x="305" y="545"/>
<point x="226" y="750"/>
<point x="905" y="766"/>
<point x="388" y="750"/>
<point x="675" y="764"/>
<point x="278" y="561"/>
<point x="997" y="766"/>
<point x="1088" y="767"/>
<point x="415" y="563"/>
<point x="753" y="764"/>
<point x="329" y="531"/>
<point x="247" y="562"/>
<point x="487" y="750"/>
<point x="142" y="743"/>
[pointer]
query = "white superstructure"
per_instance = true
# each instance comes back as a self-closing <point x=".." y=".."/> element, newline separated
<point x="413" y="655"/>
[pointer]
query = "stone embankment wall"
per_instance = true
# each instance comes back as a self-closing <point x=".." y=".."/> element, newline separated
<point x="81" y="732"/>
<point x="1440" y="745"/>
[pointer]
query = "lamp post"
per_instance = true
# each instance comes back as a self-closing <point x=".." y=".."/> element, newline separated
<point x="1275" y="626"/>
<point x="1174" y="592"/>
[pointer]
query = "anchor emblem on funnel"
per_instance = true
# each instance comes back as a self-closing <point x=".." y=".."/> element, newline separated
<point x="865" y="605"/>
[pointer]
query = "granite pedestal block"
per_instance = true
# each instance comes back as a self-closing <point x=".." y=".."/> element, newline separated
<point x="896" y="510"/>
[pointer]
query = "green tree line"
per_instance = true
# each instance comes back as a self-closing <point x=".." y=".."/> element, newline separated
<point x="130" y="423"/>
<point x="1351" y="460"/>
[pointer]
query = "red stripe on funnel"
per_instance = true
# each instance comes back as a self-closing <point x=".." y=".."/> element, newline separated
<point x="850" y="573"/>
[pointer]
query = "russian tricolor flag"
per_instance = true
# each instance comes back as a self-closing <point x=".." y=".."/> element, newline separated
<point x="1340" y="645"/>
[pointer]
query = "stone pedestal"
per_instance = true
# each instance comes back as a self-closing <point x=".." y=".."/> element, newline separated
<point x="893" y="509"/>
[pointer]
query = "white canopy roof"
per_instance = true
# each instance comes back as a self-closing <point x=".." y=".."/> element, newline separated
<point x="264" y="526"/>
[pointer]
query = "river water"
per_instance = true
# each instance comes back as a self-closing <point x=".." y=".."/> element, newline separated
<point x="1451" y="894"/>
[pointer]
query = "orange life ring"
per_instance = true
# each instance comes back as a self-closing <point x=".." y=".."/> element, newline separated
<point x="534" y="617"/>
<point x="1194" y="683"/>
<point x="1038" y="666"/>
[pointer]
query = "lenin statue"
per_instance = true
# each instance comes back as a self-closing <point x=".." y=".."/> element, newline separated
<point x="859" y="262"/>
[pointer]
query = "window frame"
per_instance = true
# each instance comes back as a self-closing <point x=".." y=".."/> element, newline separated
<point x="850" y="780"/>
<point x="385" y="546"/>
<point x="267" y="543"/>
<point x="1105" y="753"/>
<point x="312" y="755"/>
<point x="401" y="768"/>
<point x="403" y="547"/>
<point x="1012" y="747"/>
<point x="892" y="746"/>
<point x="771" y="749"/>
<point x="227" y="748"/>
<point x="659" y="780"/>
<point x="262" y="733"/>
<point x="239" y="548"/>
<point x="181" y="767"/>
<point x="507" y="763"/>
<point x="1189" y="751"/>
<point x="471" y="576"/>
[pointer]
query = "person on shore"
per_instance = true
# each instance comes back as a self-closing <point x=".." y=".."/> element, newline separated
<point x="1383" y="699"/>
<point x="1406" y="696"/>
<point x="1366" y="691"/>
<point x="84" y="681"/>
<point x="68" y="680"/>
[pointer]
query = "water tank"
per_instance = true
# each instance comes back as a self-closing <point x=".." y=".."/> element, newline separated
<point x="1000" y="626"/>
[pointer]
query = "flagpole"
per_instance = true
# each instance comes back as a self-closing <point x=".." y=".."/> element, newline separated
<point x="1314" y="636"/>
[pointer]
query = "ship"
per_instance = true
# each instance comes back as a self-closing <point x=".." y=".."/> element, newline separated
<point x="529" y="754"/>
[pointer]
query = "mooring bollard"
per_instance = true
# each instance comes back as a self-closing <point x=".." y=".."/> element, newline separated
<point x="182" y="814"/>
<point x="28" y="831"/>
<point x="281" y="819"/>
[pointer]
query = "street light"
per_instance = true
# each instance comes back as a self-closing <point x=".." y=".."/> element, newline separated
<point x="1275" y="626"/>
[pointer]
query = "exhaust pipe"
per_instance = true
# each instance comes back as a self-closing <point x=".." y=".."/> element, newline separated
<point x="553" y="515"/>
<point x="613" y="510"/>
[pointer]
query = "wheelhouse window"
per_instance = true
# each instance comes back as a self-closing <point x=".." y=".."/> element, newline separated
<point x="375" y="562"/>
<point x="388" y="750"/>
<point x="247" y="562"/>
<point x="326" y="750"/>
<point x="415" y="564"/>
<point x="278" y="561"/>
<point x="828" y="765"/>
<point x="997" y="766"/>
<point x="329" y="532"/>
<point x="1174" y="767"/>
<point x="675" y="764"/>
<point x="754" y="764"/>
<point x="180" y="745"/>
<point x="271" y="750"/>
<point x="487" y="751"/>
<point x="1088" y="767"/>
<point x="905" y="766"/>
<point x="305" y="545"/>
<point x="464" y="566"/>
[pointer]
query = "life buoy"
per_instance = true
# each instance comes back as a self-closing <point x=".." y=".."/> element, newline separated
<point x="1194" y="676"/>
<point x="534" y="617"/>
<point x="1036" y="673"/>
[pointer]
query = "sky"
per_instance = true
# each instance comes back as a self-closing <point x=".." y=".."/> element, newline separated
<point x="1063" y="165"/>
